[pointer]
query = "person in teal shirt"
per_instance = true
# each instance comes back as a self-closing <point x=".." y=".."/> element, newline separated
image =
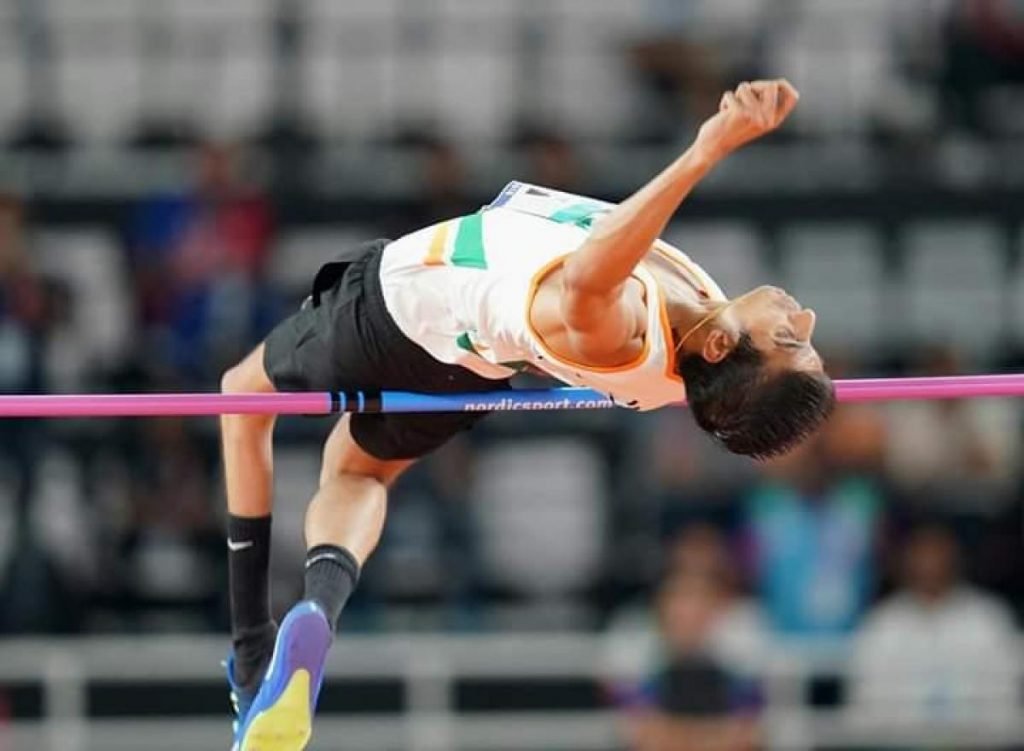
<point x="812" y="553"/>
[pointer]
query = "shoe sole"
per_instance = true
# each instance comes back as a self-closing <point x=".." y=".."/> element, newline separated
<point x="287" y="724"/>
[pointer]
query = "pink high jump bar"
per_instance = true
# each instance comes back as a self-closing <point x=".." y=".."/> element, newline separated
<point x="322" y="403"/>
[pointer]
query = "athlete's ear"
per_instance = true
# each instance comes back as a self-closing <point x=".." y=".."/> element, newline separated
<point x="717" y="346"/>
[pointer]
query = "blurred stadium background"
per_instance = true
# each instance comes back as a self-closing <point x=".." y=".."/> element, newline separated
<point x="172" y="173"/>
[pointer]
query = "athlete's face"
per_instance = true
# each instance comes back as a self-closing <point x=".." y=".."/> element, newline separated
<point x="779" y="327"/>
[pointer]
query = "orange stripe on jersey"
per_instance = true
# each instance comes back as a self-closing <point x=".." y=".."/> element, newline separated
<point x="677" y="257"/>
<point x="435" y="254"/>
<point x="671" y="354"/>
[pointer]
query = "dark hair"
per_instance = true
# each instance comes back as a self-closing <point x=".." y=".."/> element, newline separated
<point x="751" y="411"/>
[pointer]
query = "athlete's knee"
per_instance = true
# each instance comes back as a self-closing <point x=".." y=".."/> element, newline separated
<point x="247" y="376"/>
<point x="236" y="380"/>
<point x="357" y="464"/>
<point x="231" y="380"/>
<point x="343" y="456"/>
<point x="365" y="477"/>
<point x="355" y="484"/>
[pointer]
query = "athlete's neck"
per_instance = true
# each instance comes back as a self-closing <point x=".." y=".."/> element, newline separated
<point x="684" y="314"/>
<point x="686" y="306"/>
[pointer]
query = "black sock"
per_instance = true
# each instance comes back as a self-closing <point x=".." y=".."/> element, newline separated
<point x="252" y="630"/>
<point x="331" y="574"/>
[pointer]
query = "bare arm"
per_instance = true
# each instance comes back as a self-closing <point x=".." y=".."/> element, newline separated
<point x="595" y="275"/>
<point x="621" y="239"/>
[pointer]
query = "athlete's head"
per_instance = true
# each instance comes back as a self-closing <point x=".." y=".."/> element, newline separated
<point x="755" y="382"/>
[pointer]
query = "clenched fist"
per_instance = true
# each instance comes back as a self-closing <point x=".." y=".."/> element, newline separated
<point x="753" y="109"/>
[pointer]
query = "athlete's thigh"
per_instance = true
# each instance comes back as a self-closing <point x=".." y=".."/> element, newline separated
<point x="384" y="445"/>
<point x="342" y="455"/>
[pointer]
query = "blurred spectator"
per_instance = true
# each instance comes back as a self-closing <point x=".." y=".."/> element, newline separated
<point x="687" y="476"/>
<point x="198" y="259"/>
<point x="441" y="190"/>
<point x="811" y="525"/>
<point x="958" y="453"/>
<point x="552" y="160"/>
<point x="26" y="311"/>
<point x="701" y="630"/>
<point x="35" y="597"/>
<point x="53" y="568"/>
<point x="693" y="699"/>
<point x="738" y="637"/>
<point x="172" y="549"/>
<point x="690" y="52"/>
<point x="984" y="61"/>
<point x="938" y="649"/>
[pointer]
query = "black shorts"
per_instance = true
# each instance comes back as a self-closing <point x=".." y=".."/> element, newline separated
<point x="343" y="338"/>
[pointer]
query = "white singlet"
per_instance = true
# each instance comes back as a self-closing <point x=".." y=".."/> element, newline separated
<point x="462" y="290"/>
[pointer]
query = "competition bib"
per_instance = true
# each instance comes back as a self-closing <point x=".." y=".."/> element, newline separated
<point x="565" y="208"/>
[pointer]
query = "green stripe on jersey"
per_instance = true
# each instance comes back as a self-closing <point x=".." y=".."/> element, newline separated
<point x="469" y="243"/>
<point x="580" y="214"/>
<point x="463" y="342"/>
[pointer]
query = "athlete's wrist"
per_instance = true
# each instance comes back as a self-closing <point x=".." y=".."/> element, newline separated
<point x="698" y="160"/>
<point x="705" y="153"/>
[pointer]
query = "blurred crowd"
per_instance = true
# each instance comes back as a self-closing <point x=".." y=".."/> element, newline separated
<point x="933" y="649"/>
<point x="303" y="75"/>
<point x="905" y="70"/>
<point x="90" y="521"/>
<point x="906" y="571"/>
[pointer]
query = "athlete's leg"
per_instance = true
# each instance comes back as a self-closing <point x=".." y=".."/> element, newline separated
<point x="349" y="508"/>
<point x="246" y="440"/>
<point x="345" y="518"/>
<point x="343" y="525"/>
<point x="248" y="474"/>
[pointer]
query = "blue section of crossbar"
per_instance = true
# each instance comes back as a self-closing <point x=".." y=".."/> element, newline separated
<point x="523" y="400"/>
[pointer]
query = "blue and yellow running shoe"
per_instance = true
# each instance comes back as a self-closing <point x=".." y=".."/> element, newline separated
<point x="241" y="700"/>
<point x="280" y="717"/>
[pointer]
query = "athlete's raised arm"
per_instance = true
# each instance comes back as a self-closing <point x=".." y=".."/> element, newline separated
<point x="594" y="276"/>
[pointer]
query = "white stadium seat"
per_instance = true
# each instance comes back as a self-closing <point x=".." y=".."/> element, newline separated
<point x="839" y="55"/>
<point x="299" y="255"/>
<point x="14" y="83"/>
<point x="1016" y="289"/>
<point x="98" y="66"/>
<point x="476" y="63"/>
<point x="580" y="81"/>
<point x="296" y="478"/>
<point x="62" y="520"/>
<point x="350" y="66"/>
<point x="730" y="251"/>
<point x="242" y="100"/>
<point x="540" y="508"/>
<point x="228" y="57"/>
<point x="838" y="271"/>
<point x="954" y="288"/>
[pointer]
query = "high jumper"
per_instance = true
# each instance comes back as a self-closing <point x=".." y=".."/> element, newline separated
<point x="578" y="289"/>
